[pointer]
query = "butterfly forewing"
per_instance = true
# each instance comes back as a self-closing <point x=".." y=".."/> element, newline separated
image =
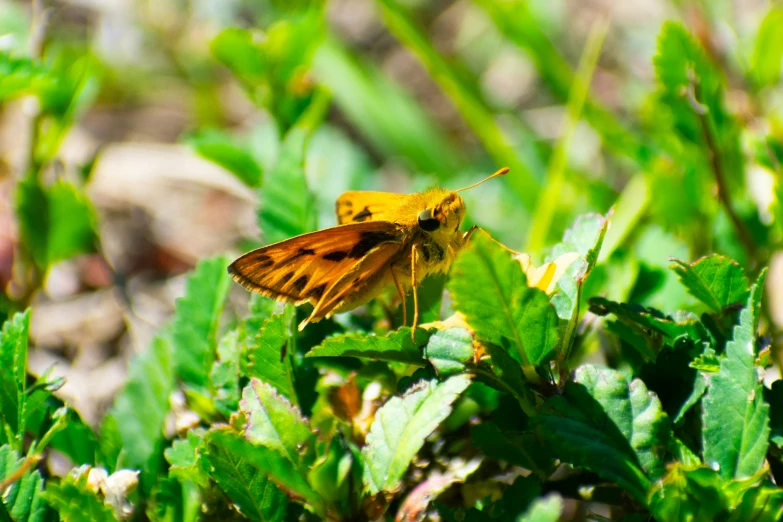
<point x="360" y="207"/>
<point x="306" y="267"/>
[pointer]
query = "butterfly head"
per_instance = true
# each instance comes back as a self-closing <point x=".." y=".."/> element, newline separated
<point x="444" y="215"/>
<point x="445" y="210"/>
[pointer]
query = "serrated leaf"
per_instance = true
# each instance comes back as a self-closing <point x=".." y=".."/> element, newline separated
<point x="242" y="469"/>
<point x="692" y="95"/>
<point x="546" y="509"/>
<point x="694" y="495"/>
<point x="73" y="499"/>
<point x="450" y="351"/>
<point x="714" y="280"/>
<point x="287" y="206"/>
<point x="140" y="408"/>
<point x="273" y="422"/>
<point x="651" y="319"/>
<point x="602" y="423"/>
<point x="401" y="426"/>
<point x="489" y="287"/>
<point x="706" y="362"/>
<point x="225" y="373"/>
<point x="268" y="353"/>
<point x="735" y="416"/>
<point x="395" y="346"/>
<point x="22" y="499"/>
<point x="223" y="149"/>
<point x="13" y="379"/>
<point x="196" y="318"/>
<point x="183" y="456"/>
<point x="254" y="495"/>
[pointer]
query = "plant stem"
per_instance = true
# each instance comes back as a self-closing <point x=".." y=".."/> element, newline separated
<point x="720" y="178"/>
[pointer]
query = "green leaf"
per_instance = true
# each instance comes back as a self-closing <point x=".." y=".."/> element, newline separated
<point x="223" y="149"/>
<point x="72" y="222"/>
<point x="519" y="495"/>
<point x="693" y="101"/>
<point x="395" y="346"/>
<point x="768" y="51"/>
<point x="225" y="373"/>
<point x="55" y="223"/>
<point x="760" y="504"/>
<point x="32" y="209"/>
<point x="519" y="449"/>
<point x="268" y="356"/>
<point x="73" y="499"/>
<point x="236" y="49"/>
<point x="13" y="378"/>
<point x="20" y="76"/>
<point x="273" y="66"/>
<point x="140" y="408"/>
<point x="706" y="362"/>
<point x="183" y="456"/>
<point x="22" y="499"/>
<point x="546" y="509"/>
<point x="602" y="423"/>
<point x="450" y="351"/>
<point x="735" y="416"/>
<point x="196" y="318"/>
<point x="653" y="325"/>
<point x="287" y="207"/>
<point x="334" y="474"/>
<point x="242" y="469"/>
<point x="401" y="426"/>
<point x="585" y="237"/>
<point x="714" y="280"/>
<point x="253" y="494"/>
<point x="693" y="495"/>
<point x="490" y="289"/>
<point x="273" y="422"/>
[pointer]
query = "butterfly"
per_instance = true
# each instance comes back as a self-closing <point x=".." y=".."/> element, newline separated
<point x="382" y="239"/>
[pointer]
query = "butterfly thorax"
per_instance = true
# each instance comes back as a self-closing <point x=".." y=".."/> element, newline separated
<point x="436" y="248"/>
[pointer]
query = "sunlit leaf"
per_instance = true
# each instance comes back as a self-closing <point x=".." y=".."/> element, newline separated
<point x="400" y="427"/>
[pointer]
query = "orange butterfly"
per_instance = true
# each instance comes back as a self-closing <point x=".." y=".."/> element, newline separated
<point x="382" y="238"/>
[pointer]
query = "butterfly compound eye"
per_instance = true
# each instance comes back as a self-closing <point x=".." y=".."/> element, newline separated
<point x="427" y="222"/>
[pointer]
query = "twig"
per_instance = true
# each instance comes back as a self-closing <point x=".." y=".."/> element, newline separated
<point x="28" y="463"/>
<point x="720" y="179"/>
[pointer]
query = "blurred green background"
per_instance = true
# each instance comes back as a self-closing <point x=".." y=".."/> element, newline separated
<point x="137" y="137"/>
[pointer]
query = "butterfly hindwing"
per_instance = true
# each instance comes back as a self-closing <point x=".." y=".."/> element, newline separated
<point x="306" y="267"/>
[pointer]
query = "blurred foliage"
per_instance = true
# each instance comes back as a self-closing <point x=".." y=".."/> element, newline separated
<point x="630" y="361"/>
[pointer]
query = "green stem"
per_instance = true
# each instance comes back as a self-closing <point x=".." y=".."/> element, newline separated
<point x="549" y="200"/>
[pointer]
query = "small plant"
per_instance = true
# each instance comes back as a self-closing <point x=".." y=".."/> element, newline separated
<point x="618" y="368"/>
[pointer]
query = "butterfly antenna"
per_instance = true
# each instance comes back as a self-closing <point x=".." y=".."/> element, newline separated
<point x="501" y="172"/>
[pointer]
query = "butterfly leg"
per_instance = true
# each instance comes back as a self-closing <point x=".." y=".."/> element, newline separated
<point x="469" y="234"/>
<point x="402" y="296"/>
<point x="415" y="294"/>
